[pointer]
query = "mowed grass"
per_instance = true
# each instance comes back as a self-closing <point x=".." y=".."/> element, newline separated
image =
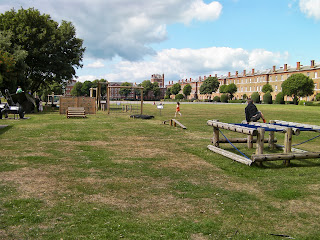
<point x="112" y="177"/>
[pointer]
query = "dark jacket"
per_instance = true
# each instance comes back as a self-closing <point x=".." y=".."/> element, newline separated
<point x="250" y="111"/>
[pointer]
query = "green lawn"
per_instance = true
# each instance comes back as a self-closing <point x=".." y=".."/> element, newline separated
<point x="112" y="177"/>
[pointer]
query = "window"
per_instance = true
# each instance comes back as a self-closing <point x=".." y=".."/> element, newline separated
<point x="250" y="89"/>
<point x="316" y="75"/>
<point x="308" y="74"/>
<point x="276" y="77"/>
<point x="276" y="88"/>
<point x="315" y="86"/>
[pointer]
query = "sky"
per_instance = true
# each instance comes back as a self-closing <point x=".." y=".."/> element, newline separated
<point x="129" y="40"/>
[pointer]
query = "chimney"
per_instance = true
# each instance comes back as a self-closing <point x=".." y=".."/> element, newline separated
<point x="162" y="79"/>
<point x="237" y="73"/>
<point x="210" y="75"/>
<point x="216" y="75"/>
<point x="273" y="68"/>
<point x="312" y="63"/>
<point x="190" y="79"/>
<point x="204" y="77"/>
<point x="285" y="67"/>
<point x="252" y="71"/>
<point x="244" y="72"/>
<point x="298" y="65"/>
<point x="179" y="81"/>
<point x="229" y="74"/>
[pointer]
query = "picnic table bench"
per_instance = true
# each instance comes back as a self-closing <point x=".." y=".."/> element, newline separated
<point x="76" y="112"/>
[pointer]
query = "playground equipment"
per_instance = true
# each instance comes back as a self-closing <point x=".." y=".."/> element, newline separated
<point x="17" y="104"/>
<point x="105" y="104"/>
<point x="258" y="130"/>
<point x="174" y="122"/>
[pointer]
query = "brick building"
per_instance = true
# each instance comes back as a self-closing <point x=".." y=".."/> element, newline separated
<point x="253" y="81"/>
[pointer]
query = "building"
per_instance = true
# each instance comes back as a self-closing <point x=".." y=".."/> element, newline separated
<point x="159" y="79"/>
<point x="69" y="87"/>
<point x="253" y="81"/>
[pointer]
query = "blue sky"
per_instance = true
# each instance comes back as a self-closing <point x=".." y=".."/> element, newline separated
<point x="129" y="40"/>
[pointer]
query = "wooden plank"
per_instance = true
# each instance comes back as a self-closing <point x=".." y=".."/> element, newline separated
<point x="296" y="131"/>
<point x="284" y="156"/>
<point x="287" y="144"/>
<point x="241" y="140"/>
<point x="295" y="124"/>
<point x="179" y="123"/>
<point x="232" y="127"/>
<point x="230" y="155"/>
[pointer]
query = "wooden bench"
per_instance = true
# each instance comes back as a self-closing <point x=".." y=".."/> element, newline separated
<point x="76" y="112"/>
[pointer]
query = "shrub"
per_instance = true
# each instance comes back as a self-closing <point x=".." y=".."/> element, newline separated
<point x="216" y="99"/>
<point x="237" y="101"/>
<point x="224" y="98"/>
<point x="255" y="97"/>
<point x="244" y="97"/>
<point x="280" y="98"/>
<point x="179" y="96"/>
<point x="267" y="98"/>
<point x="318" y="97"/>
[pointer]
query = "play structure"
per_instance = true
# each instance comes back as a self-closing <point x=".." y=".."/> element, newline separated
<point x="105" y="104"/>
<point x="255" y="132"/>
<point x="175" y="123"/>
<point x="17" y="104"/>
<point x="86" y="103"/>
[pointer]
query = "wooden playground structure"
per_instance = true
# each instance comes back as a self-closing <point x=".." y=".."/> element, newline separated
<point x="257" y="130"/>
<point x="175" y="123"/>
<point x="106" y="104"/>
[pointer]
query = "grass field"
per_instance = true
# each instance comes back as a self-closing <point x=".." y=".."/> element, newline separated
<point x="112" y="177"/>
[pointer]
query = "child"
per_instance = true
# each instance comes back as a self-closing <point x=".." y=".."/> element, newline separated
<point x="177" y="109"/>
<point x="252" y="113"/>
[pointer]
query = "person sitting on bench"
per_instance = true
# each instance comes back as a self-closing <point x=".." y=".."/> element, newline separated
<point x="252" y="113"/>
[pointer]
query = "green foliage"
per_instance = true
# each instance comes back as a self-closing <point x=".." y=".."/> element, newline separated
<point x="179" y="96"/>
<point x="95" y="85"/>
<point x="77" y="89"/>
<point x="317" y="97"/>
<point x="255" y="97"/>
<point x="223" y="89"/>
<point x="210" y="85"/>
<point x="125" y="91"/>
<point x="187" y="90"/>
<point x="267" y="88"/>
<point x="216" y="99"/>
<point x="53" y="51"/>
<point x="298" y="85"/>
<point x="267" y="98"/>
<point x="224" y="98"/>
<point x="85" y="89"/>
<point x="175" y="89"/>
<point x="231" y="89"/>
<point x="244" y="97"/>
<point x="280" y="98"/>
<point x="168" y="92"/>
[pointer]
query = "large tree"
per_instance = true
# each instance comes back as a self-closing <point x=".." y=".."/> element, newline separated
<point x="125" y="91"/>
<point x="267" y="88"/>
<point x="53" y="50"/>
<point x="231" y="89"/>
<point x="175" y="89"/>
<point x="187" y="90"/>
<point x="298" y="85"/>
<point x="210" y="85"/>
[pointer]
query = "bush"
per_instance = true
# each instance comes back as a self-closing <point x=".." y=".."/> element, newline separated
<point x="280" y="98"/>
<point x="237" y="101"/>
<point x="224" y="98"/>
<point x="179" y="96"/>
<point x="306" y="103"/>
<point x="255" y="97"/>
<point x="216" y="99"/>
<point x="267" y="98"/>
<point x="244" y="97"/>
<point x="318" y="97"/>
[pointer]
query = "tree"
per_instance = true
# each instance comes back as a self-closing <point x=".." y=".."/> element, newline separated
<point x="85" y="89"/>
<point x="267" y="88"/>
<point x="210" y="85"/>
<point x="187" y="90"/>
<point x="298" y="85"/>
<point x="267" y="98"/>
<point x="76" y="90"/>
<point x="175" y="89"/>
<point x="147" y="87"/>
<point x="168" y="93"/>
<point x="280" y="98"/>
<point x="125" y="91"/>
<point x="224" y="98"/>
<point x="53" y="51"/>
<point x="95" y="85"/>
<point x="255" y="97"/>
<point x="223" y="88"/>
<point x="231" y="89"/>
<point x="156" y="90"/>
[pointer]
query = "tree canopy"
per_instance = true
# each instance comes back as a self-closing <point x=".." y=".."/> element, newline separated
<point x="52" y="51"/>
<point x="175" y="89"/>
<point x="187" y="90"/>
<point x="267" y="88"/>
<point x="125" y="91"/>
<point x="210" y="85"/>
<point x="298" y="85"/>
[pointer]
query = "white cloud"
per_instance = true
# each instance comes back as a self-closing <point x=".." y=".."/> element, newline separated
<point x="96" y="64"/>
<point x="123" y="28"/>
<point x="185" y="63"/>
<point x="311" y="8"/>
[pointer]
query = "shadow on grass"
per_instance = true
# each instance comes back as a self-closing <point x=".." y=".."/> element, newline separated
<point x="5" y="129"/>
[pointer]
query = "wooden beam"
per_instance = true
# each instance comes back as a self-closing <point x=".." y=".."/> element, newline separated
<point x="284" y="156"/>
<point x="240" y="140"/>
<point x="296" y="131"/>
<point x="287" y="144"/>
<point x="295" y="124"/>
<point x="230" y="155"/>
<point x="232" y="127"/>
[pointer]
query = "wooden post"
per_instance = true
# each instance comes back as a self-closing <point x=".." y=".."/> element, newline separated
<point x="271" y="137"/>
<point x="108" y="99"/>
<point x="260" y="142"/>
<point x="215" y="137"/>
<point x="287" y="144"/>
<point x="171" y="122"/>
<point x="141" y="108"/>
<point x="250" y="141"/>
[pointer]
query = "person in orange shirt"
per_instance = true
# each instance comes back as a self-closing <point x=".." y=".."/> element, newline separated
<point x="177" y="109"/>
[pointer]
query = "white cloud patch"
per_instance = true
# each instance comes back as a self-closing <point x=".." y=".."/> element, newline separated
<point x="185" y="63"/>
<point x="96" y="64"/>
<point x="123" y="28"/>
<point x="311" y="8"/>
